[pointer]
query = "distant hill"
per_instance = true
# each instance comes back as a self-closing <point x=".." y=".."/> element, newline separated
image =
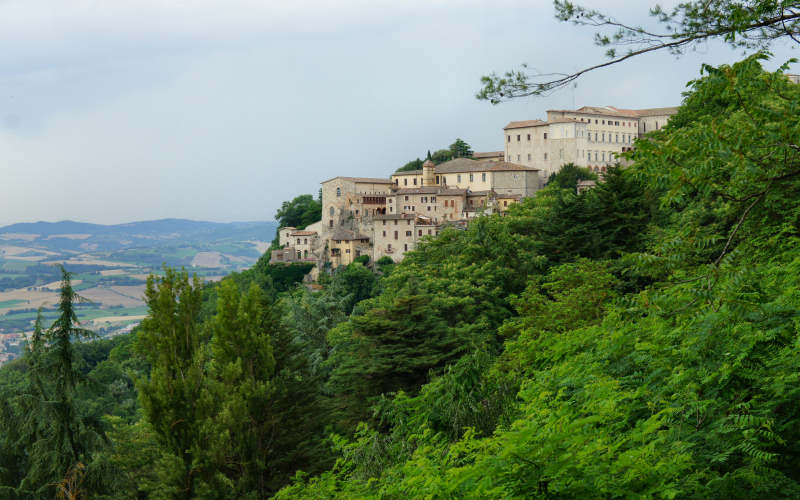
<point x="81" y="236"/>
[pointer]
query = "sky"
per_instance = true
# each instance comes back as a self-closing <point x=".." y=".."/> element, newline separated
<point x="114" y="112"/>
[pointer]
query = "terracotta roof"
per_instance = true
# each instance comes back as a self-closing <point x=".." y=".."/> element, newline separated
<point x="303" y="233"/>
<point x="509" y="196"/>
<point x="488" y="154"/>
<point x="657" y="111"/>
<point x="505" y="166"/>
<point x="346" y="235"/>
<point x="366" y="180"/>
<point x="409" y="172"/>
<point x="524" y="123"/>
<point x="394" y="216"/>
<point x="431" y="190"/>
<point x="481" y="193"/>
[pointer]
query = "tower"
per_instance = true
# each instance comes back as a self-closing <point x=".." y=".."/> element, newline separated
<point x="428" y="177"/>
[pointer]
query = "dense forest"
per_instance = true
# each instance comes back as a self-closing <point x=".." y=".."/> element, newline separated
<point x="637" y="340"/>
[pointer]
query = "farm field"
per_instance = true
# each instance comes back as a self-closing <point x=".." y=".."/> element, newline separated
<point x="110" y="265"/>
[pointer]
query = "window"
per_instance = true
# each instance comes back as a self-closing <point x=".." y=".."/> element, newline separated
<point x="405" y="182"/>
<point x="437" y="179"/>
<point x="395" y="222"/>
<point x="384" y="234"/>
<point x="408" y="222"/>
<point x="415" y="181"/>
<point x="616" y="138"/>
<point x="330" y="223"/>
<point x="346" y="250"/>
<point x="545" y="156"/>
<point x="529" y="158"/>
<point x="395" y="235"/>
<point x="595" y="137"/>
<point x="604" y="137"/>
<point x="429" y="208"/>
<point x="420" y="232"/>
<point x="433" y="199"/>
<point x="505" y="203"/>
<point x="338" y="191"/>
<point x="408" y="233"/>
<point x="429" y="231"/>
<point x="458" y="178"/>
<point x="529" y="137"/>
<point x="604" y="155"/>
<point x="560" y="154"/>
<point x="509" y="138"/>
<point x="517" y="157"/>
<point x="470" y="177"/>
<point x="589" y="155"/>
<point x="545" y="135"/>
<point x="405" y="247"/>
<point x="406" y="197"/>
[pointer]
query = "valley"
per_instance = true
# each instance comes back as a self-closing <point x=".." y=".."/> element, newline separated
<point x="109" y="266"/>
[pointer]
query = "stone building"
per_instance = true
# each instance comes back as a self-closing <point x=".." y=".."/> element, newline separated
<point x="473" y="175"/>
<point x="297" y="245"/>
<point x="590" y="137"/>
<point x="344" y="246"/>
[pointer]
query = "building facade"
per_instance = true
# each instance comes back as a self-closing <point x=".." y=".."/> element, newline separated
<point x="591" y="137"/>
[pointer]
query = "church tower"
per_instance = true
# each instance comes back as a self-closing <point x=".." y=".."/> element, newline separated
<point x="428" y="176"/>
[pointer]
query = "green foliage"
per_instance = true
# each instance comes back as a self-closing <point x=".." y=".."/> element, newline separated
<point x="46" y="433"/>
<point x="412" y="165"/>
<point x="299" y="212"/>
<point x="460" y="149"/>
<point x="172" y="397"/>
<point x="653" y="354"/>
<point x="569" y="175"/>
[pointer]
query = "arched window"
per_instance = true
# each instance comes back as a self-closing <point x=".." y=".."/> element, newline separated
<point x="338" y="191"/>
<point x="332" y="211"/>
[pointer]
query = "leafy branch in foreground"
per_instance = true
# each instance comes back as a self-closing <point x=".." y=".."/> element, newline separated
<point x="748" y="24"/>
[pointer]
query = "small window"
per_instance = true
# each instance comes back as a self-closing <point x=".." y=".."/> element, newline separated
<point x="545" y="156"/>
<point x="517" y="157"/>
<point x="518" y="137"/>
<point x="395" y="235"/>
<point x="429" y="208"/>
<point x="405" y="182"/>
<point x="338" y="191"/>
<point x="408" y="233"/>
<point x="545" y="135"/>
<point x="419" y="233"/>
<point x="415" y="181"/>
<point x="408" y="222"/>
<point x="509" y="138"/>
<point x="529" y="157"/>
<point x="406" y="197"/>
<point x="458" y="178"/>
<point x="483" y="177"/>
<point x="346" y="250"/>
<point x="384" y="234"/>
<point x="405" y="247"/>
<point x="470" y="177"/>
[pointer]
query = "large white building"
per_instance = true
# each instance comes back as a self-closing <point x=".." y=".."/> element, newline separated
<point x="588" y="137"/>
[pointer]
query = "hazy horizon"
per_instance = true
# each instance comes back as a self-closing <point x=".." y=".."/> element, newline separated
<point x="133" y="111"/>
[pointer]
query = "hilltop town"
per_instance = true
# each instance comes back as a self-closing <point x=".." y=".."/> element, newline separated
<point x="387" y="217"/>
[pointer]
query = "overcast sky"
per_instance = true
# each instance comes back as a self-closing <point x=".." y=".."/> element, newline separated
<point x="116" y="111"/>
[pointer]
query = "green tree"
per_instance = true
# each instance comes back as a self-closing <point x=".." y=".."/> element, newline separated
<point x="412" y="165"/>
<point x="54" y="437"/>
<point x="441" y="156"/>
<point x="569" y="175"/>
<point x="460" y="149"/>
<point x="299" y="212"/>
<point x="173" y="397"/>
